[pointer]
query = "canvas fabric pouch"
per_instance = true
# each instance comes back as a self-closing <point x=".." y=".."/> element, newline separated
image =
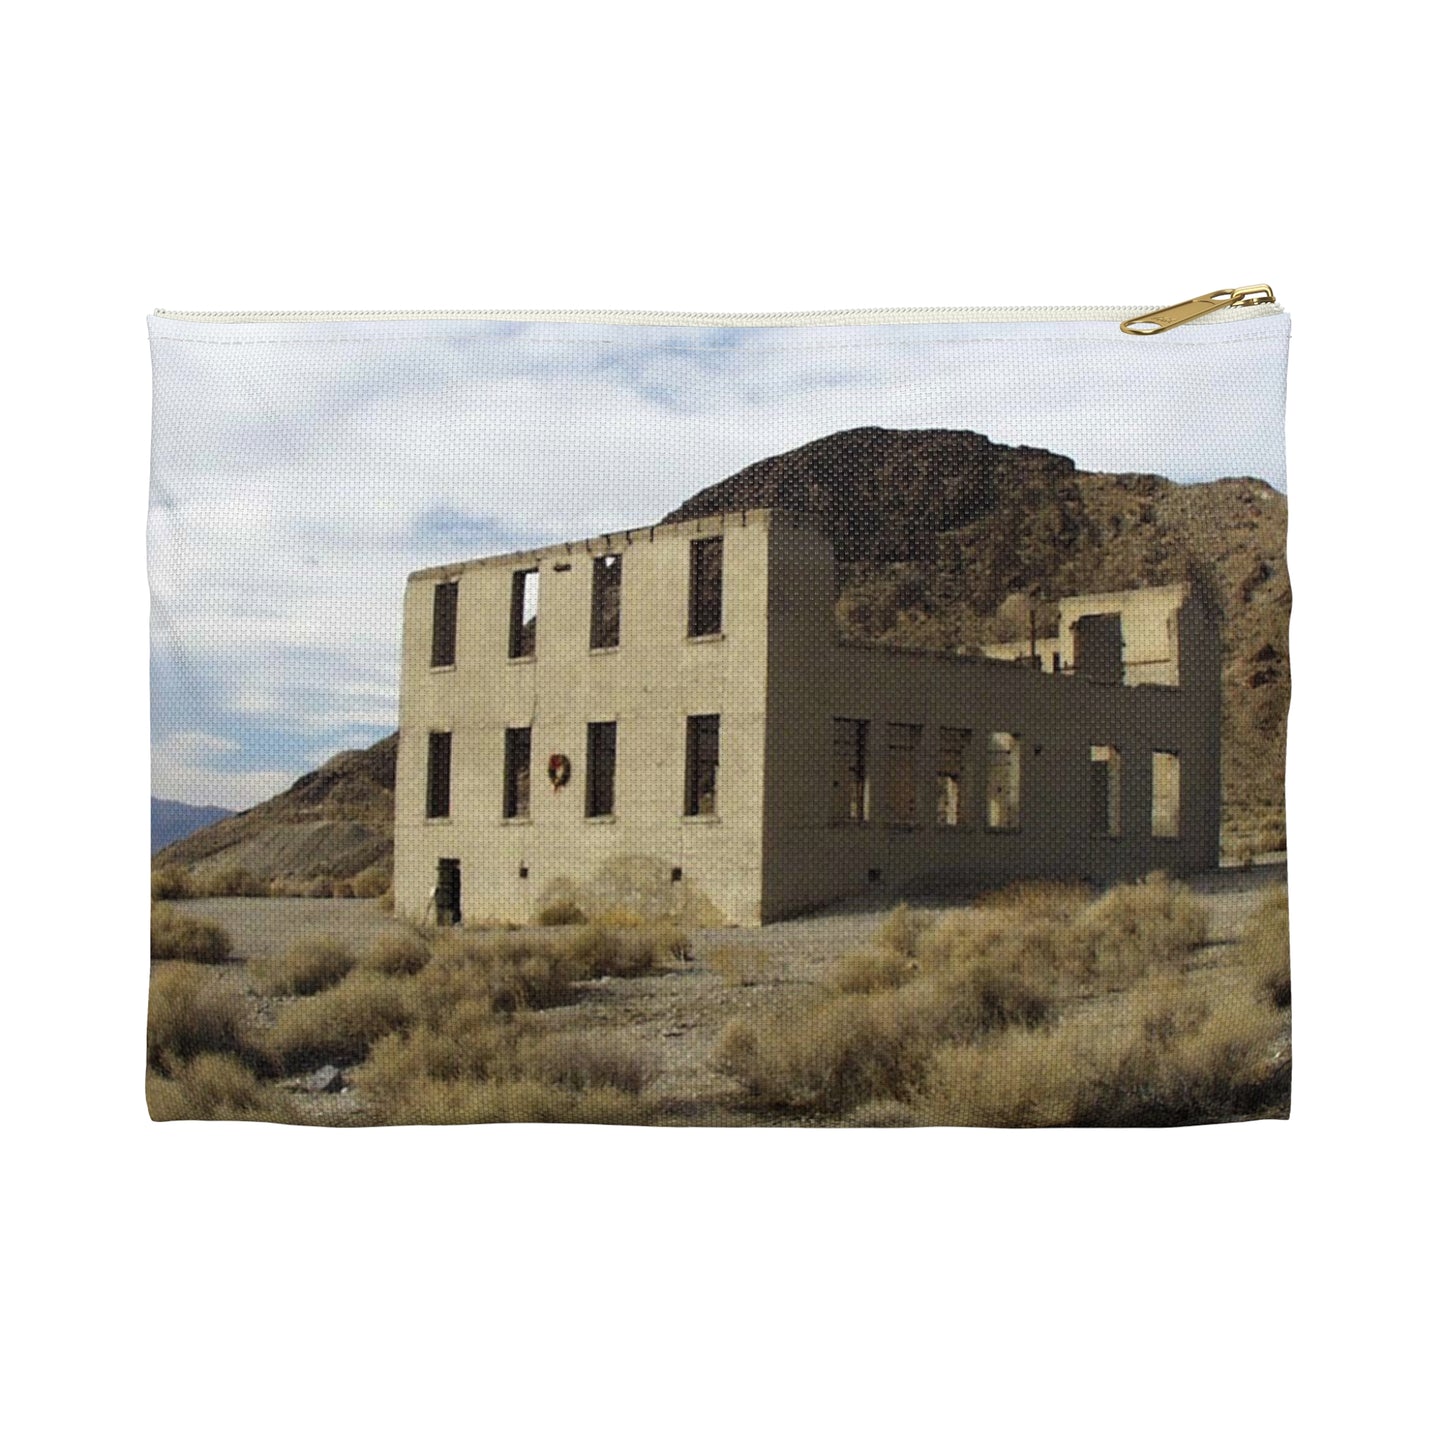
<point x="856" y="718"/>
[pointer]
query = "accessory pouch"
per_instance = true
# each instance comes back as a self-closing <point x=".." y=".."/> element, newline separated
<point x="856" y="718"/>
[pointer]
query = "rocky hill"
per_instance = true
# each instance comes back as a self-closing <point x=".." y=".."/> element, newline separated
<point x="331" y="823"/>
<point x="946" y="540"/>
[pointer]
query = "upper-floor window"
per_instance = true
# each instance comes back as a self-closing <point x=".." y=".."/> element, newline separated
<point x="522" y="627"/>
<point x="444" y="624"/>
<point x="438" y="775"/>
<point x="606" y="628"/>
<point x="705" y="587"/>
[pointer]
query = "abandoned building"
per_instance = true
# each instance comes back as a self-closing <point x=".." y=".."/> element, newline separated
<point x="672" y="705"/>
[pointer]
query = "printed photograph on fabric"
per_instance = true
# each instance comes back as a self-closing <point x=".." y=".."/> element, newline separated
<point x="728" y="727"/>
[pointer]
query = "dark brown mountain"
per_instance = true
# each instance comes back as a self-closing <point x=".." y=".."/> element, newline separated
<point x="946" y="540"/>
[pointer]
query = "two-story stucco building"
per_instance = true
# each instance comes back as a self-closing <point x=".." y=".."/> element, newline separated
<point x="675" y="700"/>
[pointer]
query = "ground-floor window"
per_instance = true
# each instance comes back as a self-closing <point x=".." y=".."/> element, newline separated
<point x="849" y="801"/>
<point x="517" y="773"/>
<point x="1105" y="778"/>
<point x="601" y="768"/>
<point x="953" y="789"/>
<point x="1004" y="782"/>
<point x="1166" y="795"/>
<point x="700" y="782"/>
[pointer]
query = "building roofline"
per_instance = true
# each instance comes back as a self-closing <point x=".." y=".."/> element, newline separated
<point x="606" y="542"/>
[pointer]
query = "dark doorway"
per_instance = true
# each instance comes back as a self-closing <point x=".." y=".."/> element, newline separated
<point x="1099" y="648"/>
<point x="449" y="892"/>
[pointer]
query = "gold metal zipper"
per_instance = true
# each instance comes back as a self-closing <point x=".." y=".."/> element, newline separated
<point x="1151" y="323"/>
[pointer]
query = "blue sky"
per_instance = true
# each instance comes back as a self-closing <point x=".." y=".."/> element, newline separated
<point x="300" y="471"/>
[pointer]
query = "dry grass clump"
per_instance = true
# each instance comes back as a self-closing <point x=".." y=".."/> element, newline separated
<point x="397" y="952"/>
<point x="741" y="965"/>
<point x="338" y="1026"/>
<point x="1263" y="948"/>
<point x="505" y="972"/>
<point x="192" y="1010"/>
<point x="178" y="935"/>
<point x="231" y="882"/>
<point x="215" y="1086"/>
<point x="512" y="1101"/>
<point x="871" y="970"/>
<point x="560" y="913"/>
<point x="1138" y="926"/>
<point x="168" y="884"/>
<point x="902" y="931"/>
<point x="597" y="951"/>
<point x="308" y="966"/>
<point x="584" y="1061"/>
<point x="372" y="882"/>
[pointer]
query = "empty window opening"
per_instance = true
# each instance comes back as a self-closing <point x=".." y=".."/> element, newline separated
<point x="1105" y="793"/>
<point x="606" y="601"/>
<point x="850" y="770"/>
<point x="953" y="785"/>
<point x="901" y="788"/>
<point x="1099" y="647"/>
<point x="517" y="773"/>
<point x="601" y="768"/>
<point x="522" y="633"/>
<point x="677" y="875"/>
<point x="444" y="625"/>
<point x="439" y="775"/>
<point x="447" y="896"/>
<point x="700" y="795"/>
<point x="1003" y="782"/>
<point x="705" y="587"/>
<point x="1166" y="795"/>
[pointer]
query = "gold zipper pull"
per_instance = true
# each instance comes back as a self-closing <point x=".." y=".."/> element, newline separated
<point x="1153" y="322"/>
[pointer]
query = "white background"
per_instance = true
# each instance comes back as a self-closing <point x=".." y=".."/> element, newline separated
<point x="1272" y="1282"/>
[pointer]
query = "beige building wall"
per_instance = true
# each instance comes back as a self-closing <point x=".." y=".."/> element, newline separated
<point x="778" y="677"/>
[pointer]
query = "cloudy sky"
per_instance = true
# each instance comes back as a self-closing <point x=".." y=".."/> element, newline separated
<point x="301" y="471"/>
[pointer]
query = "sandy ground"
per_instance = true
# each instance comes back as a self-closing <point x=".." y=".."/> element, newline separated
<point x="676" y="1016"/>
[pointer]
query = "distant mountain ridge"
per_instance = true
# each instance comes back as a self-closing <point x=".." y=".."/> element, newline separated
<point x="945" y="540"/>
<point x="172" y="821"/>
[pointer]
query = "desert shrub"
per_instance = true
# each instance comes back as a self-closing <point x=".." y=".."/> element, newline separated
<point x="214" y="1086"/>
<point x="308" y="966"/>
<point x="1263" y="948"/>
<point x="372" y="882"/>
<point x="901" y="932"/>
<point x="1177" y="1056"/>
<point x="1138" y="926"/>
<point x="338" y="1026"/>
<point x="397" y="952"/>
<point x="191" y="1010"/>
<point x="469" y="1043"/>
<point x="510" y="1101"/>
<point x="231" y="882"/>
<point x="507" y="972"/>
<point x="168" y="884"/>
<point x="741" y="965"/>
<point x="180" y="935"/>
<point x="559" y="913"/>
<point x="871" y="971"/>
<point x="581" y="1061"/>
<point x="882" y="1114"/>
<point x="848" y="1050"/>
